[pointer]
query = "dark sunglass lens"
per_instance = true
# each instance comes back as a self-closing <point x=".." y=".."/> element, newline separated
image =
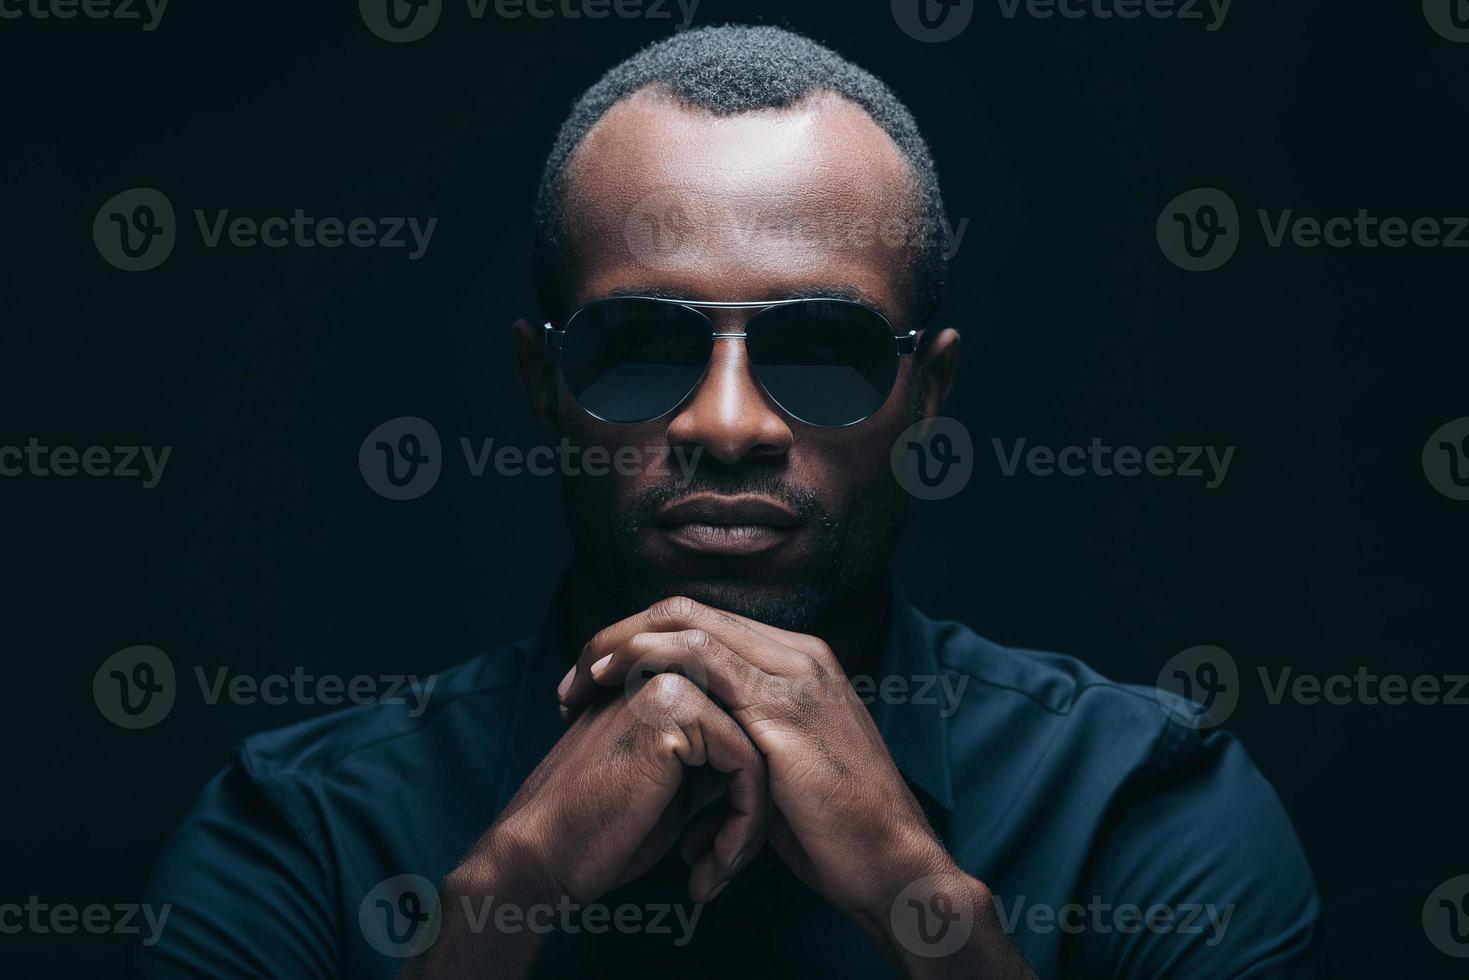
<point x="630" y="360"/>
<point x="825" y="362"/>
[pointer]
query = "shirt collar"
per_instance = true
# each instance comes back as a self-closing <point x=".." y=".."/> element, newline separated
<point x="912" y="724"/>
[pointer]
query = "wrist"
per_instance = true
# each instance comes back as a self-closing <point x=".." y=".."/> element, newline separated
<point x="910" y="854"/>
<point x="508" y="863"/>
<point x="936" y="922"/>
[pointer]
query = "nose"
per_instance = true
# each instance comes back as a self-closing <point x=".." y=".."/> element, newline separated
<point x="728" y="415"/>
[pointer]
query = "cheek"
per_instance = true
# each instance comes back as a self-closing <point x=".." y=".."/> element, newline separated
<point x="851" y="462"/>
<point x="615" y="460"/>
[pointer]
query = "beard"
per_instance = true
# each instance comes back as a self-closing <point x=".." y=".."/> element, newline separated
<point x="846" y="547"/>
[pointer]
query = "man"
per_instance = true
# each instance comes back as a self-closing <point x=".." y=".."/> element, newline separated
<point x="739" y="257"/>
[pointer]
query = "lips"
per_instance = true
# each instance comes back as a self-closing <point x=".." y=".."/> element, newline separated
<point x="720" y="511"/>
<point x="736" y="526"/>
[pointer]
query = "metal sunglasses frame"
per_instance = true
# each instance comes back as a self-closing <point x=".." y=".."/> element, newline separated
<point x="904" y="344"/>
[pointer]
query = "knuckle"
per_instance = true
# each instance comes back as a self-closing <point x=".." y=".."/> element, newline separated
<point x="641" y="644"/>
<point x="665" y="693"/>
<point x="820" y="653"/>
<point x="674" y="609"/>
<point x="809" y="667"/>
<point x="696" y="641"/>
<point x="599" y="638"/>
<point x="799" y="701"/>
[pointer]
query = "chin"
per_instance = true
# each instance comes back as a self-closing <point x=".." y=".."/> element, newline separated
<point x="798" y="607"/>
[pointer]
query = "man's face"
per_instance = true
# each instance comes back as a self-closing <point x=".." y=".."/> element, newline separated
<point x="780" y="520"/>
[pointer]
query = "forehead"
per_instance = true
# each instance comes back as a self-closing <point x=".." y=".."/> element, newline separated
<point x="761" y="205"/>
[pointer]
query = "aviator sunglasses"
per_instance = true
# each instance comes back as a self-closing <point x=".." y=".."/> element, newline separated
<point x="824" y="362"/>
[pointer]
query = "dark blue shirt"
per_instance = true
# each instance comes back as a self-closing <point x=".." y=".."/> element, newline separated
<point x="1117" y="842"/>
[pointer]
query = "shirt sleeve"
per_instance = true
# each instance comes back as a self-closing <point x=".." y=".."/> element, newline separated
<point x="1204" y="850"/>
<point x="245" y="887"/>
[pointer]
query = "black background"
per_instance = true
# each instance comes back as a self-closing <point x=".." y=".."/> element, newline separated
<point x="1061" y="141"/>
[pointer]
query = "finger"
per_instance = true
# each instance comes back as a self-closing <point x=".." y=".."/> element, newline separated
<point x="678" y="614"/>
<point x="696" y="655"/>
<point x="711" y="737"/>
<point x="698" y="836"/>
<point x="747" y="806"/>
<point x="692" y="803"/>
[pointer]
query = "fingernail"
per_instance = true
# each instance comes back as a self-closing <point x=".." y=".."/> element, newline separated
<point x="563" y="711"/>
<point x="565" y="683"/>
<point x="715" y="893"/>
<point x="737" y="860"/>
<point x="601" y="665"/>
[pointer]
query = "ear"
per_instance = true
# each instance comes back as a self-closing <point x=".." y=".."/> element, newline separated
<point x="536" y="370"/>
<point x="939" y="367"/>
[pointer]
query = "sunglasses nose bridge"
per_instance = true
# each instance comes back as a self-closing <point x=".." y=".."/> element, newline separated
<point x="728" y="413"/>
<point x="731" y="320"/>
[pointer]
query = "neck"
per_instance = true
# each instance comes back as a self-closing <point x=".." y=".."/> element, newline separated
<point x="855" y="626"/>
